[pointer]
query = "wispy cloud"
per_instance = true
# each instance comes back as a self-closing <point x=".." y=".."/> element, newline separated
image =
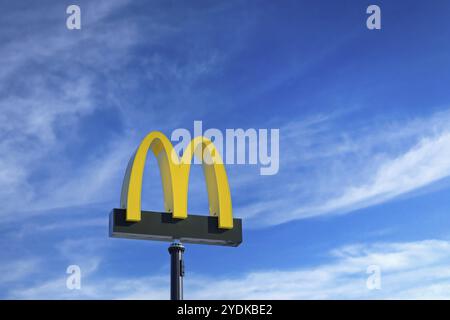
<point x="408" y="270"/>
<point x="45" y="98"/>
<point x="18" y="270"/>
<point x="335" y="169"/>
<point x="423" y="164"/>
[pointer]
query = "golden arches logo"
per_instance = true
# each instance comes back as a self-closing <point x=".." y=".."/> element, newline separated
<point x="175" y="178"/>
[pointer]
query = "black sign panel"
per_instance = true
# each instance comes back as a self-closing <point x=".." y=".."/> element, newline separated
<point x="161" y="226"/>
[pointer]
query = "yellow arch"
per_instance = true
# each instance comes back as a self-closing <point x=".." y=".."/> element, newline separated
<point x="175" y="178"/>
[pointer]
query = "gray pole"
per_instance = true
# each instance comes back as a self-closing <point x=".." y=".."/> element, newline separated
<point x="176" y="250"/>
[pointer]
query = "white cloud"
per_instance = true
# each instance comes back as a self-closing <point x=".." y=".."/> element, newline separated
<point x="18" y="270"/>
<point x="425" y="163"/>
<point x="48" y="89"/>
<point x="408" y="270"/>
<point x="327" y="169"/>
<point x="405" y="268"/>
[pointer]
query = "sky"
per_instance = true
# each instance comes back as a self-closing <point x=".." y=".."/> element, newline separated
<point x="364" y="144"/>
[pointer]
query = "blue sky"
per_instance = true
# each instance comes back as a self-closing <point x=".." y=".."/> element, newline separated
<point x="364" y="144"/>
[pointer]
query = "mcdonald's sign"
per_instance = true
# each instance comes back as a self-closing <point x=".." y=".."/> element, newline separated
<point x="129" y="221"/>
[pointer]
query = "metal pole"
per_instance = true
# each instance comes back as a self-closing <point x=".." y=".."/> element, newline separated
<point x="176" y="250"/>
